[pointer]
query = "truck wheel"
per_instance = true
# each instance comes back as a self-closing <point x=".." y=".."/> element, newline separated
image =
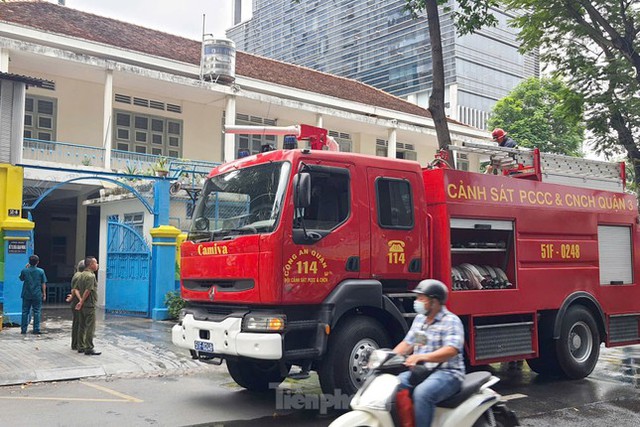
<point x="344" y="366"/>
<point x="547" y="361"/>
<point x="578" y="348"/>
<point x="254" y="375"/>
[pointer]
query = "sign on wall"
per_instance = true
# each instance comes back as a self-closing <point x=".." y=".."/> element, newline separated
<point x="17" y="247"/>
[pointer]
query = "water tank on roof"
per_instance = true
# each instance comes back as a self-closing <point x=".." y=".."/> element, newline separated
<point x="218" y="60"/>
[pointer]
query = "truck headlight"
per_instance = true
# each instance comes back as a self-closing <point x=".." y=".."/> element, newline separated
<point x="263" y="323"/>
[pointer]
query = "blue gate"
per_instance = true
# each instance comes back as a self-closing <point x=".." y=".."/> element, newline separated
<point x="128" y="267"/>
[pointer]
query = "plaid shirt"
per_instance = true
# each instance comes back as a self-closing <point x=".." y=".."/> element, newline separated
<point x="446" y="330"/>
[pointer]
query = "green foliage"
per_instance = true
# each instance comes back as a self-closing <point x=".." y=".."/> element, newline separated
<point x="542" y="113"/>
<point x="468" y="16"/>
<point x="162" y="164"/>
<point x="174" y="303"/>
<point x="132" y="170"/>
<point x="594" y="46"/>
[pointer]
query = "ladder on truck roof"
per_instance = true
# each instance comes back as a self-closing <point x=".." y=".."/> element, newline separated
<point x="552" y="168"/>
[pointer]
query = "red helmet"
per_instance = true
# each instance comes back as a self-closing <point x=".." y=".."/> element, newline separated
<point x="498" y="133"/>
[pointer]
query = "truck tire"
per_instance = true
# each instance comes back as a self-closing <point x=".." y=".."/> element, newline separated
<point x="578" y="347"/>
<point x="254" y="375"/>
<point x="547" y="362"/>
<point x="343" y="366"/>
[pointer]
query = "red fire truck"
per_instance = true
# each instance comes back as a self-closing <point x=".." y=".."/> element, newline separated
<point x="307" y="257"/>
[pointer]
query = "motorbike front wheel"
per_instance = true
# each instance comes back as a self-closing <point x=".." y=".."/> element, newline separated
<point x="497" y="416"/>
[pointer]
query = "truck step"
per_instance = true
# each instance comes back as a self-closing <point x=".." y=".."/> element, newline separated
<point x="402" y="295"/>
<point x="303" y="353"/>
<point x="302" y="375"/>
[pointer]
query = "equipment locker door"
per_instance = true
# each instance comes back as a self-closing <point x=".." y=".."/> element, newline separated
<point x="396" y="249"/>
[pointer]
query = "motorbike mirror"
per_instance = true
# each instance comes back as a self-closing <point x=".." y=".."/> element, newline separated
<point x="302" y="190"/>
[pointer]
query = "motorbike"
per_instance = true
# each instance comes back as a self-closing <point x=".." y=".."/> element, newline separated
<point x="376" y="404"/>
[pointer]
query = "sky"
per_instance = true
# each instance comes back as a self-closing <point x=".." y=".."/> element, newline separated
<point x="179" y="17"/>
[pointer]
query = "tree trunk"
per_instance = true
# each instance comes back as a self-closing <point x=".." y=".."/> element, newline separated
<point x="436" y="100"/>
<point x="625" y="136"/>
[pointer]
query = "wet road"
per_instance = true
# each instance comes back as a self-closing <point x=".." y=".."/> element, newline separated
<point x="609" y="397"/>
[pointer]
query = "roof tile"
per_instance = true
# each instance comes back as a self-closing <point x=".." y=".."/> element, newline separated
<point x="52" y="18"/>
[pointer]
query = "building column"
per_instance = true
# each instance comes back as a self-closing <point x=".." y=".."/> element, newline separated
<point x="319" y="121"/>
<point x="4" y="60"/>
<point x="107" y="124"/>
<point x="163" y="252"/>
<point x="15" y="233"/>
<point x="163" y="268"/>
<point x="81" y="228"/>
<point x="391" y="142"/>
<point x="230" y="138"/>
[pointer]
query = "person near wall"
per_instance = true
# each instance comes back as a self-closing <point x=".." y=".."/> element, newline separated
<point x="88" y="290"/>
<point x="34" y="292"/>
<point x="73" y="298"/>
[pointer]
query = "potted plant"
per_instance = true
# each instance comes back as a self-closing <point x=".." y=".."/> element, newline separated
<point x="161" y="167"/>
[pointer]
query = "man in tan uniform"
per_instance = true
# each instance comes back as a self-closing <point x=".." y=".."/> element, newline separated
<point x="88" y="289"/>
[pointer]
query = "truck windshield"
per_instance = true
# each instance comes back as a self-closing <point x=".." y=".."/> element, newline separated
<point x="242" y="201"/>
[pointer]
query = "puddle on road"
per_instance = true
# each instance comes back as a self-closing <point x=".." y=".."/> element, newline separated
<point x="620" y="364"/>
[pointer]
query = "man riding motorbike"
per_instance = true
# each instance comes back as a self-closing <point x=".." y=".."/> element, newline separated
<point x="436" y="337"/>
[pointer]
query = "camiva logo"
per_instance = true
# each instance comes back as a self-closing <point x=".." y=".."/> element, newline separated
<point x="212" y="250"/>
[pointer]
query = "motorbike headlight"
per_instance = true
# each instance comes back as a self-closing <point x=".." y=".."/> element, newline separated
<point x="376" y="358"/>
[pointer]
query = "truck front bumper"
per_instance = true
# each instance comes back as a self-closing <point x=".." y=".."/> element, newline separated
<point x="227" y="338"/>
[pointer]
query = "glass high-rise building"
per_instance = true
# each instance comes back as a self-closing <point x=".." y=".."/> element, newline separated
<point x="376" y="42"/>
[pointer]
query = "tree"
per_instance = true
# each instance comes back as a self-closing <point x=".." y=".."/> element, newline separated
<point x="595" y="46"/>
<point x="542" y="113"/>
<point x="470" y="16"/>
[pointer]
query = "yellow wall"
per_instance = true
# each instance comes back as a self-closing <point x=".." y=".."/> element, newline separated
<point x="11" y="178"/>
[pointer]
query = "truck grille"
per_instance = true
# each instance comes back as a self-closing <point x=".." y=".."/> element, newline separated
<point x="216" y="312"/>
<point x="624" y="328"/>
<point x="508" y="339"/>
<point x="203" y="285"/>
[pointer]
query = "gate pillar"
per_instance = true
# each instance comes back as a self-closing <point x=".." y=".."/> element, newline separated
<point x="163" y="252"/>
<point x="15" y="233"/>
<point x="163" y="264"/>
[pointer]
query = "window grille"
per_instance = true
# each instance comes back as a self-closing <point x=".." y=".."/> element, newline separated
<point x="40" y="117"/>
<point x="142" y="133"/>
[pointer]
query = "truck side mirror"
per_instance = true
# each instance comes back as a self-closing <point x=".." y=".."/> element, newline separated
<point x="302" y="190"/>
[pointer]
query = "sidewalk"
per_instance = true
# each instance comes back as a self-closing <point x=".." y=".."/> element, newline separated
<point x="130" y="347"/>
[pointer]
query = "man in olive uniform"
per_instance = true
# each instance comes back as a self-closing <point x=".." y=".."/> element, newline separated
<point x="73" y="298"/>
<point x="34" y="292"/>
<point x="88" y="289"/>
